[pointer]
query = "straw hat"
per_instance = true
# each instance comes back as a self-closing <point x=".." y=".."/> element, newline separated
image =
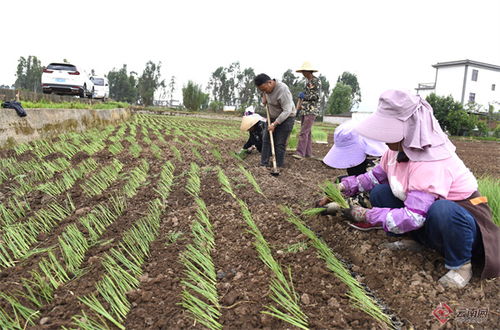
<point x="306" y="67"/>
<point x="248" y="121"/>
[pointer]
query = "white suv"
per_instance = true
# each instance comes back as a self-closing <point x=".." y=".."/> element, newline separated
<point x="101" y="87"/>
<point x="66" y="79"/>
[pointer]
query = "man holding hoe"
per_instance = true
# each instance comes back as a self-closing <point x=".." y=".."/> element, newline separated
<point x="278" y="98"/>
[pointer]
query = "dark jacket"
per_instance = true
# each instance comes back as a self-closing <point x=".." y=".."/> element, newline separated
<point x="256" y="133"/>
<point x="16" y="106"/>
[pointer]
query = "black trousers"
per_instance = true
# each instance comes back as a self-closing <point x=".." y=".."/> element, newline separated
<point x="280" y="135"/>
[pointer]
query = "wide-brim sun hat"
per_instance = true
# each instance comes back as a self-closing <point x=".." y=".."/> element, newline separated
<point x="402" y="116"/>
<point x="386" y="124"/>
<point x="306" y="66"/>
<point x="347" y="150"/>
<point x="373" y="147"/>
<point x="248" y="121"/>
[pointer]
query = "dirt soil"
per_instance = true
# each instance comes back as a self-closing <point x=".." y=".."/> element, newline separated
<point x="405" y="283"/>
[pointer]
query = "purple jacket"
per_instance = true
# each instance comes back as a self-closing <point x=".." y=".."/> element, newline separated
<point x="400" y="220"/>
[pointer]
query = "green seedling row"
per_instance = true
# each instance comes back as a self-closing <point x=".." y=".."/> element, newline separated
<point x="125" y="260"/>
<point x="357" y="293"/>
<point x="283" y="292"/>
<point x="200" y="297"/>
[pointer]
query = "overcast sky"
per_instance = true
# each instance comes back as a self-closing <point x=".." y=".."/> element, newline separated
<point x="386" y="43"/>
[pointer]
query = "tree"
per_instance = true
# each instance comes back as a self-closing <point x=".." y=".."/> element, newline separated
<point x="295" y="84"/>
<point x="217" y="80"/>
<point x="350" y="79"/>
<point x="442" y="107"/>
<point x="233" y="86"/>
<point x="122" y="86"/>
<point x="460" y="122"/>
<point x="340" y="100"/>
<point x="149" y="82"/>
<point x="224" y="84"/>
<point x="171" y="89"/>
<point x="325" y="93"/>
<point x="193" y="97"/>
<point x="247" y="93"/>
<point x="452" y="116"/>
<point x="29" y="74"/>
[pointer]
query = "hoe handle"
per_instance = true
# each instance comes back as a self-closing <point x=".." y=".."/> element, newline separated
<point x="273" y="155"/>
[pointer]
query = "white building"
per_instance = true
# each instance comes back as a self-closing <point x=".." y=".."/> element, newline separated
<point x="356" y="116"/>
<point x="466" y="81"/>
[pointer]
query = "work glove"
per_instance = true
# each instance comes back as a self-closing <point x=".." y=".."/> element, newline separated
<point x="356" y="213"/>
<point x="301" y="95"/>
<point x="331" y="209"/>
<point x="243" y="153"/>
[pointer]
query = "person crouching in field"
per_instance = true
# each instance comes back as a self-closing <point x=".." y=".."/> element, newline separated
<point x="356" y="155"/>
<point x="254" y="124"/>
<point x="421" y="188"/>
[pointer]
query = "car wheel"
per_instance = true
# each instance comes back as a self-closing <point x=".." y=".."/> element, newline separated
<point x="82" y="91"/>
<point x="91" y="94"/>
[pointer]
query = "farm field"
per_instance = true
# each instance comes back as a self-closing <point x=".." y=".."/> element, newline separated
<point x="156" y="224"/>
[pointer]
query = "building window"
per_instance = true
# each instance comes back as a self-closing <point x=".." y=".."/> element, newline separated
<point x="474" y="75"/>
<point x="472" y="97"/>
<point x="493" y="87"/>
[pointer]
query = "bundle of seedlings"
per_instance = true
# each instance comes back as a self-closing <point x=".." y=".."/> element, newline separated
<point x="334" y="195"/>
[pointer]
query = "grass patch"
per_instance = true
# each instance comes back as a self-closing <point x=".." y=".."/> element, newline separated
<point x="319" y="134"/>
<point x="490" y="188"/>
<point x="73" y="105"/>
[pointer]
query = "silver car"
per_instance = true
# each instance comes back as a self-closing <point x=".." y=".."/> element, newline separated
<point x="101" y="87"/>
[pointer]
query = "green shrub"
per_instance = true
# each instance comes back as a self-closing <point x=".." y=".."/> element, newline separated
<point x="497" y="132"/>
<point x="216" y="106"/>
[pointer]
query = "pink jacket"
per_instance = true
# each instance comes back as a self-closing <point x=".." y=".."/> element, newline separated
<point x="417" y="184"/>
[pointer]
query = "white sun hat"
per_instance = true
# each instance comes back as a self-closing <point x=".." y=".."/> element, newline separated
<point x="306" y="67"/>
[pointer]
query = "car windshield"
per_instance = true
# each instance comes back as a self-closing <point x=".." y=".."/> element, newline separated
<point x="98" y="81"/>
<point x="59" y="66"/>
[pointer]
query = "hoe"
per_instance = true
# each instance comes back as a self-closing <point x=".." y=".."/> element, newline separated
<point x="274" y="171"/>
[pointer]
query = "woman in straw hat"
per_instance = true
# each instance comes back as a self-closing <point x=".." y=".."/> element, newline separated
<point x="309" y="105"/>
<point x="254" y="124"/>
<point x="422" y="188"/>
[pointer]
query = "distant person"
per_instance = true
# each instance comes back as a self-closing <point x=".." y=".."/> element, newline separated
<point x="421" y="188"/>
<point x="309" y="109"/>
<point x="356" y="155"/>
<point x="282" y="111"/>
<point x="255" y="125"/>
